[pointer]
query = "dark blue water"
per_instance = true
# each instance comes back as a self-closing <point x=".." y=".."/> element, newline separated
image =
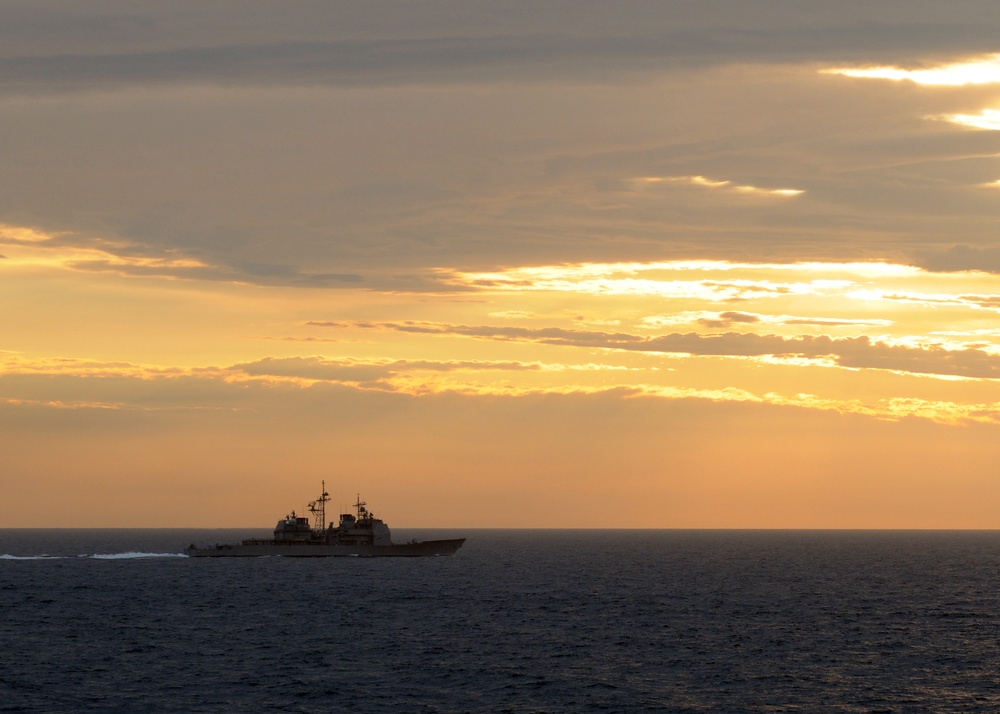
<point x="518" y="621"/>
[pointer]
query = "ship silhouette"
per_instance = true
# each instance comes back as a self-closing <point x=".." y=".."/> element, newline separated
<point x="359" y="534"/>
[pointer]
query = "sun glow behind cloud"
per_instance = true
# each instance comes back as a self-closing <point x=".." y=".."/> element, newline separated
<point x="29" y="248"/>
<point x="22" y="234"/>
<point x="973" y="72"/>
<point x="988" y="119"/>
<point x="629" y="312"/>
<point x="982" y="70"/>
<point x="670" y="279"/>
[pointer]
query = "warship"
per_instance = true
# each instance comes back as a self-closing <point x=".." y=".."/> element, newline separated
<point x="358" y="534"/>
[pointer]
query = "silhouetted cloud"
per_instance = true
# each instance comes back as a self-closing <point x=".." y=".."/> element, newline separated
<point x="351" y="371"/>
<point x="851" y="352"/>
<point x="962" y="257"/>
<point x="726" y="319"/>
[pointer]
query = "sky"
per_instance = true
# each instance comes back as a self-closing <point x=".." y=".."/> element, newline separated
<point x="674" y="264"/>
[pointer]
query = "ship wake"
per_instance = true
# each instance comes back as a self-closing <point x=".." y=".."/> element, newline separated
<point x="94" y="556"/>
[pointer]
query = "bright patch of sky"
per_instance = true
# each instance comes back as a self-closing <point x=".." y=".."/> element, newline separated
<point x="983" y="70"/>
<point x="988" y="119"/>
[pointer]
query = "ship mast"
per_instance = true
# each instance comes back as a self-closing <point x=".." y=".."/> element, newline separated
<point x="360" y="506"/>
<point x="318" y="509"/>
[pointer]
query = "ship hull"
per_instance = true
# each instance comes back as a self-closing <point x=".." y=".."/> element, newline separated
<point x="324" y="550"/>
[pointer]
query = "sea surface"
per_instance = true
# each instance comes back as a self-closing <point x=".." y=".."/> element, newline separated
<point x="517" y="621"/>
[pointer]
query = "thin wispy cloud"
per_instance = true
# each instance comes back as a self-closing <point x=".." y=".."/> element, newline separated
<point x="850" y="352"/>
<point x="718" y="184"/>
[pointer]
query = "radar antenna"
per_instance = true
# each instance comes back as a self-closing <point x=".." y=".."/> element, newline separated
<point x="318" y="509"/>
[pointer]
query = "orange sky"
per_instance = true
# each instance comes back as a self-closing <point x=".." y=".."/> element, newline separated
<point x="515" y="275"/>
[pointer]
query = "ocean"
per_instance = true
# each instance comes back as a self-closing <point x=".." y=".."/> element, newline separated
<point x="517" y="621"/>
